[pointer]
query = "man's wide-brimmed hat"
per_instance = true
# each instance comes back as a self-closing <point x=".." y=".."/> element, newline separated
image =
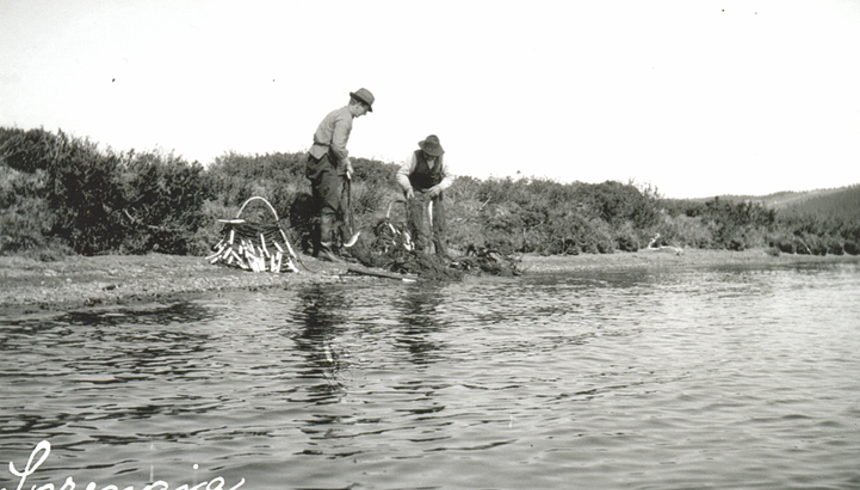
<point x="431" y="146"/>
<point x="363" y="95"/>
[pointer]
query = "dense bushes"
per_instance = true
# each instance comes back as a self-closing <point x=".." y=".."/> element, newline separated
<point x="746" y="224"/>
<point x="161" y="198"/>
<point x="61" y="193"/>
<point x="64" y="192"/>
<point x="547" y="217"/>
<point x="25" y="219"/>
<point x="65" y="185"/>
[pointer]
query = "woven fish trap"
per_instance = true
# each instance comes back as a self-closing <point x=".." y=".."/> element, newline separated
<point x="257" y="246"/>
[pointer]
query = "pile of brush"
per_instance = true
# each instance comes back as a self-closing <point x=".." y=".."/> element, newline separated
<point x="488" y="261"/>
<point x="390" y="247"/>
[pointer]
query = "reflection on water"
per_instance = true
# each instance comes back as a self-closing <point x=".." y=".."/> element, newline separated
<point x="321" y="314"/>
<point x="419" y="311"/>
<point x="727" y="378"/>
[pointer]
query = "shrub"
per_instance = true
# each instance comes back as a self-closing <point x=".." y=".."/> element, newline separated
<point x="29" y="151"/>
<point x="734" y="225"/>
<point x="277" y="177"/>
<point x="617" y="203"/>
<point x="573" y="234"/>
<point x="501" y="223"/>
<point x="685" y="231"/>
<point x="82" y="193"/>
<point x="162" y="203"/>
<point x="25" y="226"/>
<point x="464" y="211"/>
<point x="834" y="245"/>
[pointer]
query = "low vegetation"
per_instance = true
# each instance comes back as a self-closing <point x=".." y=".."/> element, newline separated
<point x="60" y="194"/>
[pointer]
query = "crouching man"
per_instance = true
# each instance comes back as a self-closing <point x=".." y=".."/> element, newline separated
<point x="424" y="176"/>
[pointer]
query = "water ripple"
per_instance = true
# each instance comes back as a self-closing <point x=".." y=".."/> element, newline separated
<point x="675" y="379"/>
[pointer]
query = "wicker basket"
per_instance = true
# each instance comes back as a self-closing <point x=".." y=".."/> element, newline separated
<point x="257" y="247"/>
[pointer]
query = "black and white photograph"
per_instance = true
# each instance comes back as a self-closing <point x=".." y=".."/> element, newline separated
<point x="451" y="245"/>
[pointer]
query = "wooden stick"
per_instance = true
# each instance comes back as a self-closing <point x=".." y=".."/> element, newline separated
<point x="216" y="254"/>
<point x="263" y="243"/>
<point x="287" y="243"/>
<point x="290" y="249"/>
<point x="388" y="275"/>
<point x="243" y="265"/>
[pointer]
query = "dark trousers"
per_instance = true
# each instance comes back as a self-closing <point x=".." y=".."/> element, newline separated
<point x="327" y="186"/>
<point x="418" y="219"/>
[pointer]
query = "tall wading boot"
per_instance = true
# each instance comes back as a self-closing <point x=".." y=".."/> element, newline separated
<point x="315" y="236"/>
<point x="325" y="251"/>
<point x="441" y="248"/>
<point x="438" y="228"/>
<point x="418" y="221"/>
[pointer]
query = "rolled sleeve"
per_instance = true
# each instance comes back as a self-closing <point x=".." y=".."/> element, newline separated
<point x="448" y="178"/>
<point x="405" y="171"/>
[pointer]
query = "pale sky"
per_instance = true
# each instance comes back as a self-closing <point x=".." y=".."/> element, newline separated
<point x="697" y="98"/>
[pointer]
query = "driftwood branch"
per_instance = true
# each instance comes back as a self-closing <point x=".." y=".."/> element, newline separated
<point x="138" y="221"/>
<point x="662" y="248"/>
<point x="378" y="273"/>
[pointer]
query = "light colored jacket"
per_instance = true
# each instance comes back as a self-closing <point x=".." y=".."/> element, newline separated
<point x="332" y="136"/>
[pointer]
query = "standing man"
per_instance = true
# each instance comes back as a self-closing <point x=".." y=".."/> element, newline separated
<point x="329" y="168"/>
<point x="424" y="176"/>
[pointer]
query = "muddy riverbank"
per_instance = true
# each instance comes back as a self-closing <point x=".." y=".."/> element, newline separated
<point x="28" y="285"/>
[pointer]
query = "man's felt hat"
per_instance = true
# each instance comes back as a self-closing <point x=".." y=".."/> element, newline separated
<point x="431" y="146"/>
<point x="363" y="95"/>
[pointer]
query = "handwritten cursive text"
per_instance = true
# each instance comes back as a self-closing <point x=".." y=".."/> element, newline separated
<point x="43" y="449"/>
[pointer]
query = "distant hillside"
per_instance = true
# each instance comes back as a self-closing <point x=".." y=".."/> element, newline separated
<point x="838" y="201"/>
<point x="841" y="203"/>
<point x="816" y="200"/>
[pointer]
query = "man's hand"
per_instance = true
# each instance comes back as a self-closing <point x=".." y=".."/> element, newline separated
<point x="434" y="191"/>
<point x="410" y="194"/>
<point x="349" y="169"/>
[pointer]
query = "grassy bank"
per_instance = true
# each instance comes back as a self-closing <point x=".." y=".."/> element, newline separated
<point x="30" y="285"/>
<point x="60" y="194"/>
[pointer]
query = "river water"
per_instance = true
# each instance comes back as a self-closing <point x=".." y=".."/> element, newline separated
<point x="670" y="379"/>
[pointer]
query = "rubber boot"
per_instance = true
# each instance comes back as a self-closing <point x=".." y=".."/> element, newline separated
<point x="325" y="251"/>
<point x="441" y="249"/>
